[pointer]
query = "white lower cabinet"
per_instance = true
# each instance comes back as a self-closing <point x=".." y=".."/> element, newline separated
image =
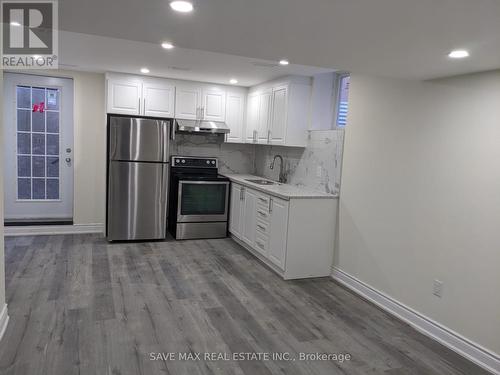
<point x="294" y="237"/>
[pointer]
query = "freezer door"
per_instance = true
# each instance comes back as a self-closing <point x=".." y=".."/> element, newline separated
<point x="137" y="201"/>
<point x="138" y="139"/>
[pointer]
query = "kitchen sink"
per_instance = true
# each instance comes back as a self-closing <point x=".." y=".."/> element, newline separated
<point x="261" y="181"/>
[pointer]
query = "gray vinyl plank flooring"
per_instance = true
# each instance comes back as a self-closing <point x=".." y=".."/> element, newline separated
<point x="80" y="305"/>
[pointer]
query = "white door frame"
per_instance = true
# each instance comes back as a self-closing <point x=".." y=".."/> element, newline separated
<point x="57" y="209"/>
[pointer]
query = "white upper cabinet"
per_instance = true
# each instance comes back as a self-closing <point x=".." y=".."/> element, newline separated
<point x="188" y="101"/>
<point x="264" y="117"/>
<point x="130" y="95"/>
<point x="213" y="103"/>
<point x="281" y="116"/>
<point x="124" y="96"/>
<point x="235" y="115"/>
<point x="277" y="128"/>
<point x="253" y="108"/>
<point x="158" y="99"/>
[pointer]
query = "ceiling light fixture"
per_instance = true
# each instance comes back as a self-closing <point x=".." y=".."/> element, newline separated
<point x="284" y="62"/>
<point x="181" y="6"/>
<point x="167" y="45"/>
<point x="458" y="54"/>
<point x="145" y="70"/>
<point x="14" y="23"/>
<point x="233" y="81"/>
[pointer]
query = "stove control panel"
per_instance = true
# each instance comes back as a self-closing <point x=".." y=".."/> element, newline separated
<point x="194" y="162"/>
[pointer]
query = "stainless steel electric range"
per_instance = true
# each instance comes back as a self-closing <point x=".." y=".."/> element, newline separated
<point x="198" y="203"/>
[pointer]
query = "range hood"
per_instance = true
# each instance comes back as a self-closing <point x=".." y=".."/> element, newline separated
<point x="201" y="126"/>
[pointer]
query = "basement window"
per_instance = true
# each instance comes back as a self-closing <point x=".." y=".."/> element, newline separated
<point x="342" y="99"/>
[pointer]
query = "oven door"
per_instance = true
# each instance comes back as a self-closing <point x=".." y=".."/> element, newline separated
<point x="202" y="201"/>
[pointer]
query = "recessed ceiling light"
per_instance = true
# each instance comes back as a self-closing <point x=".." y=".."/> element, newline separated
<point x="284" y="62"/>
<point x="181" y="6"/>
<point x="233" y="81"/>
<point x="14" y="23"/>
<point x="145" y="70"/>
<point x="458" y="54"/>
<point x="167" y="45"/>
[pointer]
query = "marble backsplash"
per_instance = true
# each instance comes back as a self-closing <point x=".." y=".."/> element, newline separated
<point x="318" y="166"/>
<point x="233" y="158"/>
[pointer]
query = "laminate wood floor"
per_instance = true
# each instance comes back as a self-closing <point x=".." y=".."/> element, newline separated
<point x="79" y="305"/>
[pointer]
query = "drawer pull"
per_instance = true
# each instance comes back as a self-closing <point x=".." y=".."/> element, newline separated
<point x="262" y="227"/>
<point x="263" y="199"/>
<point x="262" y="213"/>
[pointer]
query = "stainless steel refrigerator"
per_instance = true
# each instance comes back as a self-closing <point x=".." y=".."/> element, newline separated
<point x="137" y="178"/>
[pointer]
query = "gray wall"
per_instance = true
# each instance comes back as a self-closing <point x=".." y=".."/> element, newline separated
<point x="420" y="197"/>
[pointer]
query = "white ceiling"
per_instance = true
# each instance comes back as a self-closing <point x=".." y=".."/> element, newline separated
<point x="399" y="38"/>
<point x="103" y="54"/>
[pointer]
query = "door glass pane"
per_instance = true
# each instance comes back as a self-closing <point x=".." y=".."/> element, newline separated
<point x="53" y="188"/>
<point x="52" y="144"/>
<point x="53" y="99"/>
<point x="203" y="199"/>
<point x="38" y="122"/>
<point x="52" y="122"/>
<point x="23" y="143"/>
<point x="24" y="166"/>
<point x="38" y="142"/>
<point x="38" y="166"/>
<point x="23" y="120"/>
<point x="52" y="166"/>
<point x="38" y="188"/>
<point x="24" y="188"/>
<point x="23" y="97"/>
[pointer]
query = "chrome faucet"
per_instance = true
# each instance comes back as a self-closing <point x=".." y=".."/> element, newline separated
<point x="282" y="176"/>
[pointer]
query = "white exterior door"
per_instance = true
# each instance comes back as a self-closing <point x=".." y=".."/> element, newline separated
<point x="124" y="96"/>
<point x="38" y="147"/>
<point x="187" y="102"/>
<point x="159" y="99"/>
<point x="214" y="104"/>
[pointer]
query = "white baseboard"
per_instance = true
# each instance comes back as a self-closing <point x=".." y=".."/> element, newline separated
<point x="53" y="229"/>
<point x="488" y="360"/>
<point x="4" y="320"/>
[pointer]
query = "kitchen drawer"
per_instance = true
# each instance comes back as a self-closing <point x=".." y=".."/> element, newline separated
<point x="262" y="227"/>
<point x="263" y="201"/>
<point x="261" y="243"/>
<point x="263" y="214"/>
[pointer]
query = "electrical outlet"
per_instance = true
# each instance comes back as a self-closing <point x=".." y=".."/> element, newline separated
<point x="437" y="288"/>
<point x="319" y="171"/>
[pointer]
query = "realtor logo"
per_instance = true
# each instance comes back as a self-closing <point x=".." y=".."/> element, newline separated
<point x="29" y="34"/>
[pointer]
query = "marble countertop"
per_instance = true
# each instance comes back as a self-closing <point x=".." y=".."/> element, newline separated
<point x="284" y="191"/>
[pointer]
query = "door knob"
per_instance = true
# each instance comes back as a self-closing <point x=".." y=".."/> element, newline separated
<point x="68" y="160"/>
<point x="68" y="150"/>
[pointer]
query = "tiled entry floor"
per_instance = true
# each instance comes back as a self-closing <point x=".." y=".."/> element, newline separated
<point x="79" y="305"/>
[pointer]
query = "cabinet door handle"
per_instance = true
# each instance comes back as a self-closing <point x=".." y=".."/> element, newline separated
<point x="139" y="105"/>
<point x="242" y="194"/>
<point x="262" y="227"/>
<point x="269" y="136"/>
<point x="144" y="106"/>
<point x="270" y="205"/>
